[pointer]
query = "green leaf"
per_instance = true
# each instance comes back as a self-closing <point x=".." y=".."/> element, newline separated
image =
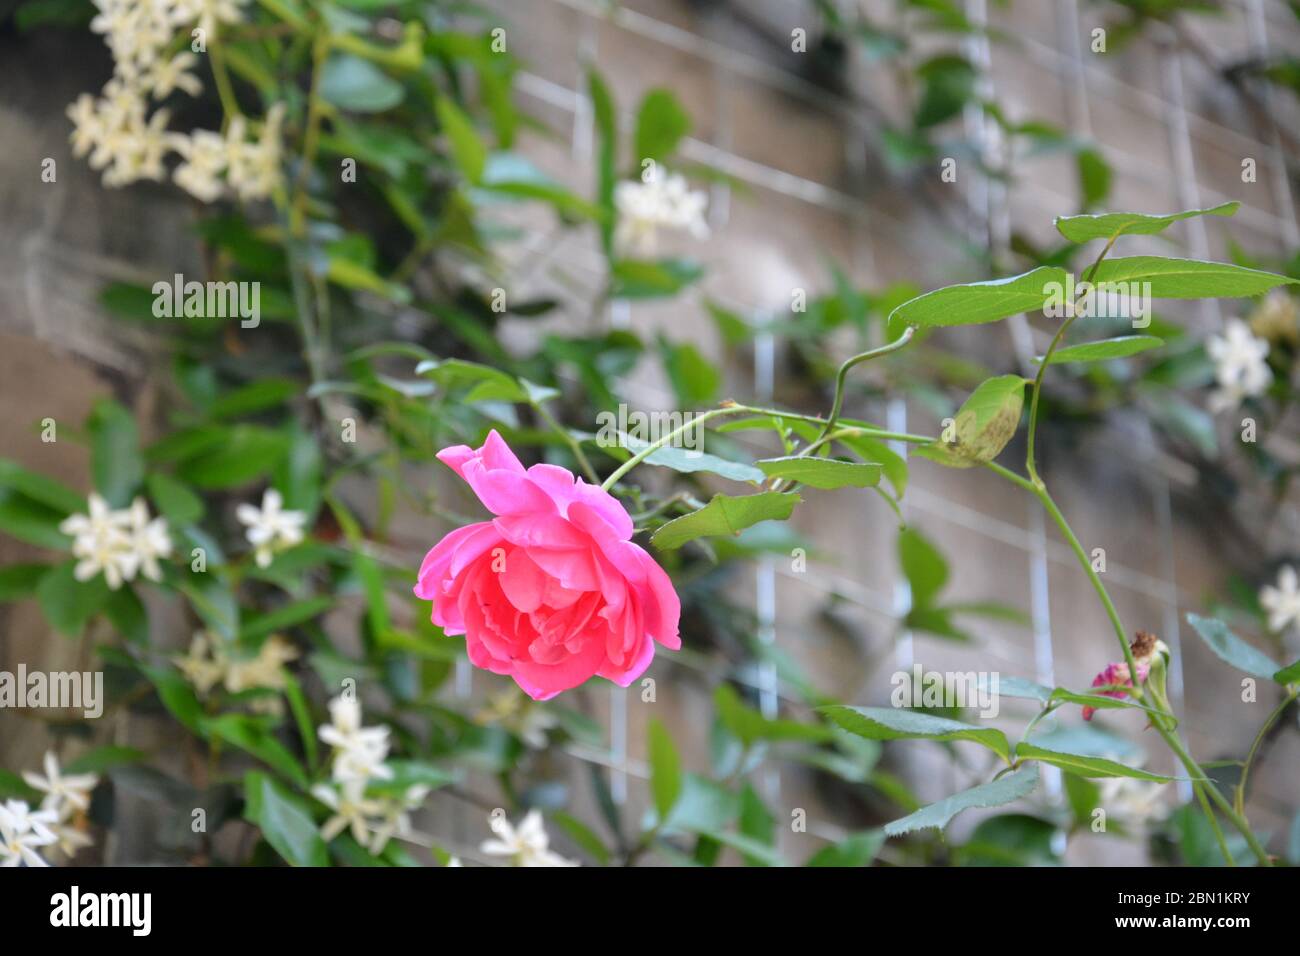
<point x="247" y="452"/>
<point x="687" y="461"/>
<point x="724" y="515"/>
<point x="68" y="603"/>
<point x="30" y="521"/>
<point x="892" y="723"/>
<point x="115" y="460"/>
<point x="984" y="425"/>
<point x="1094" y="177"/>
<point x="694" y="378"/>
<point x="105" y="758"/>
<point x="14" y="786"/>
<point x="18" y="581"/>
<point x="1231" y="649"/>
<point x="977" y="302"/>
<point x="1085" y="765"/>
<point x="1111" y="224"/>
<point x="665" y="769"/>
<point x="1006" y="789"/>
<point x="1289" y="674"/>
<point x="354" y="84"/>
<point x="1105" y="349"/>
<point x="582" y="835"/>
<point x="126" y="612"/>
<point x="40" y="488"/>
<point x="822" y="472"/>
<point x="466" y="148"/>
<point x="923" y="566"/>
<point x="250" y="734"/>
<point x="891" y="463"/>
<point x="661" y="122"/>
<point x="284" y="819"/>
<point x="173" y="499"/>
<point x="254" y="397"/>
<point x="639" y="279"/>
<point x="177" y="696"/>
<point x="857" y="849"/>
<point x="284" y="617"/>
<point x="1189" y="278"/>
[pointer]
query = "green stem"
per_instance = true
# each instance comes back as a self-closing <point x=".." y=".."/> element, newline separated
<point x="668" y="439"/>
<point x="225" y="91"/>
<point x="311" y="138"/>
<point x="841" y="376"/>
<point x="1214" y="823"/>
<point x="574" y="445"/>
<point x="1239" y="802"/>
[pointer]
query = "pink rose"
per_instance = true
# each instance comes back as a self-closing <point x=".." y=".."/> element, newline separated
<point x="1116" y="675"/>
<point x="552" y="590"/>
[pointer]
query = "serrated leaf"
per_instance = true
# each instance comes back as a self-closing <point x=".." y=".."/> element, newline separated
<point x="1105" y="349"/>
<point x="977" y="302"/>
<point x="823" y="473"/>
<point x="984" y="425"/>
<point x="892" y="723"/>
<point x="723" y="515"/>
<point x="1085" y="765"/>
<point x="1106" y="225"/>
<point x="1231" y="649"/>
<point x="996" y="793"/>
<point x="1189" y="278"/>
<point x="688" y="461"/>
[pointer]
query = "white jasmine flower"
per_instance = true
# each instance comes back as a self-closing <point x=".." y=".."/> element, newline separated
<point x="1240" y="368"/>
<point x="149" y="539"/>
<point x="253" y="169"/>
<point x="270" y="527"/>
<point x="351" y="811"/>
<point x="204" y="664"/>
<point x="526" y="846"/>
<point x="101" y="541"/>
<point x="664" y="202"/>
<point x="22" y="832"/>
<point x="62" y="793"/>
<point x="175" y="75"/>
<point x="1282" y="602"/>
<point x="117" y="543"/>
<point x="395" y="818"/>
<point x="265" y="670"/>
<point x="360" y="752"/>
<point x="69" y="839"/>
<point x="204" y="154"/>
